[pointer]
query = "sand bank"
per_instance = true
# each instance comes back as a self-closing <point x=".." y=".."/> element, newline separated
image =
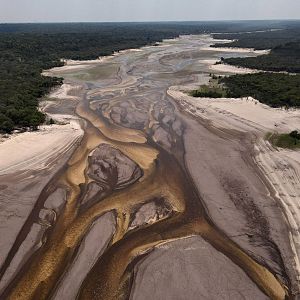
<point x="174" y="271"/>
<point x="92" y="247"/>
<point x="33" y="150"/>
<point x="280" y="167"/>
<point x="64" y="92"/>
<point x="224" y="68"/>
<point x="241" y="113"/>
<point x="282" y="170"/>
<point x="235" y="50"/>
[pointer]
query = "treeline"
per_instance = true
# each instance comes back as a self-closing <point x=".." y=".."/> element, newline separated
<point x="115" y="28"/>
<point x="284" y="45"/>
<point x="282" y="58"/>
<point x="25" y="54"/>
<point x="260" y="40"/>
<point x="27" y="49"/>
<point x="210" y="91"/>
<point x="275" y="90"/>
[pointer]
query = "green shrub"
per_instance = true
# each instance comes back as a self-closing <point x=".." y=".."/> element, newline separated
<point x="287" y="140"/>
<point x="6" y="124"/>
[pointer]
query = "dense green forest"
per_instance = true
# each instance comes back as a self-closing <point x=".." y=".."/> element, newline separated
<point x="276" y="90"/>
<point x="273" y="89"/>
<point x="284" y="45"/>
<point x="27" y="49"/>
<point x="211" y="90"/>
<point x="282" y="58"/>
<point x="260" y="40"/>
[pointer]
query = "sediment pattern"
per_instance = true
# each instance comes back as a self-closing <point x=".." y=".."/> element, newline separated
<point x="131" y="163"/>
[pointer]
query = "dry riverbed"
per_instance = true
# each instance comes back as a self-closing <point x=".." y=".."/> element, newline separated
<point x="141" y="176"/>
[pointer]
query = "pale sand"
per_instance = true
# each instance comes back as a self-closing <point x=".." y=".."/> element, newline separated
<point x="254" y="31"/>
<point x="282" y="170"/>
<point x="241" y="112"/>
<point x="281" y="167"/>
<point x="67" y="67"/>
<point x="63" y="92"/>
<point x="72" y="65"/>
<point x="33" y="150"/>
<point x="224" y="68"/>
<point x="235" y="50"/>
<point x="91" y="248"/>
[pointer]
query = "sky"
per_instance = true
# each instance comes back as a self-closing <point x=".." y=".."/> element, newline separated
<point x="145" y="10"/>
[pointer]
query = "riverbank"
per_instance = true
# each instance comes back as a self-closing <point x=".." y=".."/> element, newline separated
<point x="278" y="166"/>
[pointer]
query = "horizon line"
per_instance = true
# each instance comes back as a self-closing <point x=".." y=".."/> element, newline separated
<point x="161" y="21"/>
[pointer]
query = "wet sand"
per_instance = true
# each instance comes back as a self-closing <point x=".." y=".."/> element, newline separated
<point x="147" y="159"/>
<point x="191" y="269"/>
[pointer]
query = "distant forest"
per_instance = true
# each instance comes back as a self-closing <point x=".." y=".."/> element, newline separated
<point x="282" y="58"/>
<point x="276" y="89"/>
<point x="284" y="45"/>
<point x="27" y="49"/>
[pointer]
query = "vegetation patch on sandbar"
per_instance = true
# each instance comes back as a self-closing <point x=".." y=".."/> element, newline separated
<point x="212" y="90"/>
<point x="287" y="140"/>
<point x="275" y="90"/>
